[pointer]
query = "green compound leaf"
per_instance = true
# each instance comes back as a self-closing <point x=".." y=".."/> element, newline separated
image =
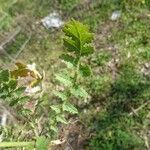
<point x="12" y="84"/>
<point x="70" y="108"/>
<point x="54" y="128"/>
<point x="70" y="45"/>
<point x="87" y="50"/>
<point x="78" y="44"/>
<point x="85" y="70"/>
<point x="4" y="76"/>
<point x="56" y="108"/>
<point x="78" y="31"/>
<point x="78" y="91"/>
<point x="78" y="38"/>
<point x="64" y="79"/>
<point x="19" y="91"/>
<point x="69" y="59"/>
<point x="61" y="119"/>
<point x="61" y="95"/>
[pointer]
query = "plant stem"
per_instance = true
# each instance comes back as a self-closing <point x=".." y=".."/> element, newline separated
<point x="16" y="144"/>
<point x="76" y="71"/>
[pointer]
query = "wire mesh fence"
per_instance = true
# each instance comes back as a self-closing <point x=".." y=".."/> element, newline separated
<point x="12" y="46"/>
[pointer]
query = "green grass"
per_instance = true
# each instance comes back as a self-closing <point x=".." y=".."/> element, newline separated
<point x="114" y="95"/>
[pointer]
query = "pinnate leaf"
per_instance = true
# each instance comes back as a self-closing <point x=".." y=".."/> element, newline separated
<point x="12" y="84"/>
<point x="4" y="75"/>
<point x="70" y="45"/>
<point x="64" y="79"/>
<point x="86" y="50"/>
<point x="85" y="70"/>
<point x="56" y="108"/>
<point x="54" y="128"/>
<point x="61" y="119"/>
<point x="78" y="31"/>
<point x="70" y="108"/>
<point x="68" y="58"/>
<point x="61" y="95"/>
<point x="78" y="91"/>
<point x="19" y="91"/>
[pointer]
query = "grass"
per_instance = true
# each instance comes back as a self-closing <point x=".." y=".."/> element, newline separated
<point x="123" y="49"/>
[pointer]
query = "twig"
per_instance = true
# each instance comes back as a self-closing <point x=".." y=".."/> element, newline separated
<point x="69" y="145"/>
<point x="146" y="142"/>
<point x="21" y="49"/>
<point x="10" y="37"/>
<point x="4" y="51"/>
<point x="134" y="111"/>
<point x="8" y="111"/>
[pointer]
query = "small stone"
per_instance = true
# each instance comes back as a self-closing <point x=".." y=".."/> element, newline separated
<point x="128" y="55"/>
<point x="115" y="15"/>
<point x="53" y="20"/>
<point x="147" y="65"/>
